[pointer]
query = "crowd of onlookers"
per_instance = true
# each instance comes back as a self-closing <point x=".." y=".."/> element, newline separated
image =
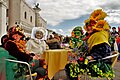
<point x="115" y="39"/>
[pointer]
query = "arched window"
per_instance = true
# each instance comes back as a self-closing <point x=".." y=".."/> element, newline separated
<point x="25" y="15"/>
<point x="30" y="18"/>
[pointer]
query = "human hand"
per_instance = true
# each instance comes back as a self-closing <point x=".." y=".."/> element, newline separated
<point x="89" y="57"/>
<point x="36" y="57"/>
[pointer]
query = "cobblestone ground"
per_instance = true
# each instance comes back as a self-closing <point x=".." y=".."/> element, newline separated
<point x="117" y="71"/>
<point x="61" y="74"/>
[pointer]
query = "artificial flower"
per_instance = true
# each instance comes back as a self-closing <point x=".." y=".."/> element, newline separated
<point x="89" y="22"/>
<point x="98" y="15"/>
<point x="101" y="25"/>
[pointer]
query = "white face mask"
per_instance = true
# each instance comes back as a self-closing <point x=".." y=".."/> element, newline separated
<point x="39" y="35"/>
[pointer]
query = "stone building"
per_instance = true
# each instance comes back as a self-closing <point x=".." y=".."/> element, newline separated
<point x="18" y="12"/>
<point x="3" y="7"/>
<point x="39" y="21"/>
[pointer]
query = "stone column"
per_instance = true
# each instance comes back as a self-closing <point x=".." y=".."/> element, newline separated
<point x="37" y="16"/>
<point x="3" y="25"/>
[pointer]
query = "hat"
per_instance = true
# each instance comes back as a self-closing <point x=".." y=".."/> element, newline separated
<point x="15" y="30"/>
<point x="101" y="25"/>
<point x="43" y="30"/>
<point x="98" y="15"/>
<point x="89" y="22"/>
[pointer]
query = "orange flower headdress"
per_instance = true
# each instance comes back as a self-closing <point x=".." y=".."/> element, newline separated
<point x="101" y="25"/>
<point x="15" y="29"/>
<point x="89" y="22"/>
<point x="98" y="15"/>
<point x="21" y="44"/>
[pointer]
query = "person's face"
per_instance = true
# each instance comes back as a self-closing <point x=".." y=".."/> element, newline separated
<point x="114" y="30"/>
<point x="17" y="37"/>
<point x="89" y="28"/>
<point x="39" y="35"/>
<point x="77" y="34"/>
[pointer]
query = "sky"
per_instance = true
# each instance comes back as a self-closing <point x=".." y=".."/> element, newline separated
<point x="64" y="15"/>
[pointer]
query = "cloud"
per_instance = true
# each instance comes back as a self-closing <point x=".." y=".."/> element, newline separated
<point x="54" y="30"/>
<point x="56" y="11"/>
<point x="60" y="30"/>
<point x="113" y="16"/>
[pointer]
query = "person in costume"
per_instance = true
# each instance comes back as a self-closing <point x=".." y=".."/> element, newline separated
<point x="79" y="48"/>
<point x="76" y="37"/>
<point x="98" y="42"/>
<point x="76" y="42"/>
<point x="16" y="48"/>
<point x="37" y="42"/>
<point x="89" y="23"/>
<point x="99" y="47"/>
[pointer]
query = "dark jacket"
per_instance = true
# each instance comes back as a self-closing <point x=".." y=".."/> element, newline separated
<point x="100" y="51"/>
<point x="14" y="51"/>
<point x="53" y="43"/>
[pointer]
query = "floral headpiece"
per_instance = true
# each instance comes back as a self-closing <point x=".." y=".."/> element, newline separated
<point x="15" y="29"/>
<point x="101" y="25"/>
<point x="89" y="22"/>
<point x="98" y="15"/>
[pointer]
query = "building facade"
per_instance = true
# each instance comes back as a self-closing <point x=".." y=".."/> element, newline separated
<point x="18" y="12"/>
<point x="39" y="21"/>
<point x="3" y="7"/>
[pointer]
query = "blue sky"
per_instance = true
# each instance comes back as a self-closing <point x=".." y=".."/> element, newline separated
<point x="63" y="15"/>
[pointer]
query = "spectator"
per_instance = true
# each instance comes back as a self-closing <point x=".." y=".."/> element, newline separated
<point x="112" y="37"/>
<point x="56" y="36"/>
<point x="53" y="43"/>
<point x="4" y="40"/>
<point x="118" y="43"/>
<point x="66" y="40"/>
<point x="114" y="32"/>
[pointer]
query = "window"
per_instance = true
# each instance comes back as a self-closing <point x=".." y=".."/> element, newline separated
<point x="25" y="15"/>
<point x="30" y="18"/>
<point x="7" y="12"/>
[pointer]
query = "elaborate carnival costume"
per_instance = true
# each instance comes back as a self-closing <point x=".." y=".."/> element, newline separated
<point x="98" y="47"/>
<point x="79" y="48"/>
<point x="17" y="49"/>
<point x="76" y="43"/>
<point x="35" y="45"/>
